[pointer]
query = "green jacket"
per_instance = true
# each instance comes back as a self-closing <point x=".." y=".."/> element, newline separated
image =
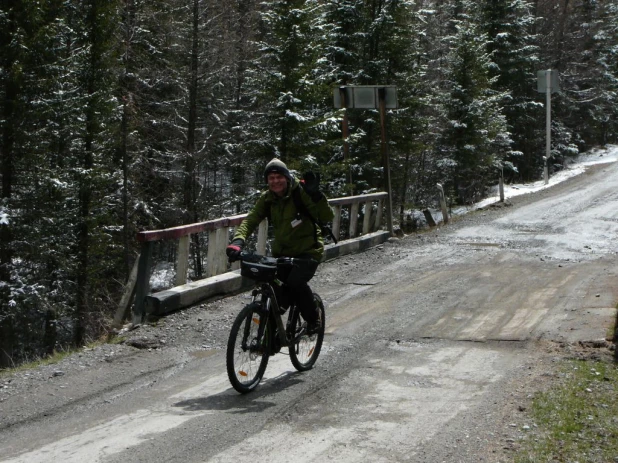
<point x="290" y="241"/>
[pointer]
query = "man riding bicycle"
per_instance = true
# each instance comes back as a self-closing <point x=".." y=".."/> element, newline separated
<point x="294" y="212"/>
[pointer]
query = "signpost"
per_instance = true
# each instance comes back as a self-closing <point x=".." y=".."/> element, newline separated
<point x="548" y="83"/>
<point x="381" y="97"/>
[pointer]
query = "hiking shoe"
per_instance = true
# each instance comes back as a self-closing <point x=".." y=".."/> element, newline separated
<point x="314" y="327"/>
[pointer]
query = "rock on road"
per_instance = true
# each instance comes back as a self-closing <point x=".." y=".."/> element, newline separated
<point x="434" y="344"/>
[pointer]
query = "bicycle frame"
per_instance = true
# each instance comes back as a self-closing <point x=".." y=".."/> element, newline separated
<point x="273" y="311"/>
<point x="260" y="331"/>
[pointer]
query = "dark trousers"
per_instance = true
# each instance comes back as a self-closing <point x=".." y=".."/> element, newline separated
<point x="297" y="290"/>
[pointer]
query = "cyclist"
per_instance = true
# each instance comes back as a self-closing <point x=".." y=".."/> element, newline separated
<point x="293" y="212"/>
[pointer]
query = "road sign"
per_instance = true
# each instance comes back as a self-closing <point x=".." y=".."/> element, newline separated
<point x="542" y="81"/>
<point x="364" y="96"/>
<point x="380" y="97"/>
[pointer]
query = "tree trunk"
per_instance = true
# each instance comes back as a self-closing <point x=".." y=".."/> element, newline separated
<point x="11" y="96"/>
<point x="83" y="243"/>
<point x="127" y="89"/>
<point x="190" y="162"/>
<point x="50" y="336"/>
<point x="85" y="183"/>
<point x="560" y="52"/>
<point x="404" y="188"/>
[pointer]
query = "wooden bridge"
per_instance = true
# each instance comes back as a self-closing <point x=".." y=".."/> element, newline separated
<point x="221" y="277"/>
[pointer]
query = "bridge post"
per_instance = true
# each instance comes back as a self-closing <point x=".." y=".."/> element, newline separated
<point x="353" y="219"/>
<point x="367" y="218"/>
<point x="182" y="260"/>
<point x="337" y="221"/>
<point x="378" y="222"/>
<point x="262" y="237"/>
<point x="211" y="253"/>
<point x="223" y="237"/>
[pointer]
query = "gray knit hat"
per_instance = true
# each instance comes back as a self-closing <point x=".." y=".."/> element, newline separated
<point x="275" y="165"/>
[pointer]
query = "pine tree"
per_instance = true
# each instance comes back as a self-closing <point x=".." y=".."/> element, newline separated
<point x="570" y="44"/>
<point x="509" y="26"/>
<point x="51" y="229"/>
<point x="42" y="183"/>
<point x="587" y="76"/>
<point x="375" y="43"/>
<point x="95" y="69"/>
<point x="475" y="140"/>
<point x="344" y="36"/>
<point x="606" y="60"/>
<point x="287" y="91"/>
<point x="236" y="151"/>
<point x="16" y="24"/>
<point x="405" y="65"/>
<point x="149" y="90"/>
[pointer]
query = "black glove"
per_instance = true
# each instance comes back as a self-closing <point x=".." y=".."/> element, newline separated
<point x="234" y="249"/>
<point x="312" y="186"/>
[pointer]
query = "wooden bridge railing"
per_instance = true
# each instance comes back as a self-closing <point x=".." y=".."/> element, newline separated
<point x="218" y="237"/>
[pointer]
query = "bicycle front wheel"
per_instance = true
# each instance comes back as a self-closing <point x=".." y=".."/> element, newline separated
<point x="247" y="348"/>
<point x="304" y="348"/>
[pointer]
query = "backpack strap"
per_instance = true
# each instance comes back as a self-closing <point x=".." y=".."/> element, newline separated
<point x="301" y="207"/>
<point x="302" y="210"/>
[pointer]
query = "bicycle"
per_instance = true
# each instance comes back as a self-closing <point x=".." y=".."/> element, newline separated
<point x="259" y="331"/>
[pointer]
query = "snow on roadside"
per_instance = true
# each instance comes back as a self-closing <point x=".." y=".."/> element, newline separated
<point x="577" y="167"/>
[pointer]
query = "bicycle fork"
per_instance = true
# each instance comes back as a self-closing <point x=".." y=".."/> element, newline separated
<point x="251" y="342"/>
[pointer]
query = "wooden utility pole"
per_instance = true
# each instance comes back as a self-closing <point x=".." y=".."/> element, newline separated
<point x="371" y="97"/>
<point x="385" y="157"/>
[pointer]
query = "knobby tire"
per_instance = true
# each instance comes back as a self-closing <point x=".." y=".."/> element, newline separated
<point x="246" y="359"/>
<point x="304" y="349"/>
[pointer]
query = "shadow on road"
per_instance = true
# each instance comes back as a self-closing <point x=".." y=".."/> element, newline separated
<point x="234" y="402"/>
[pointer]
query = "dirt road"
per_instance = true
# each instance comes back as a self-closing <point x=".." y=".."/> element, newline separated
<point x="435" y="344"/>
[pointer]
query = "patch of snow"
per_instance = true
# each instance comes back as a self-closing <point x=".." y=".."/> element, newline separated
<point x="577" y="167"/>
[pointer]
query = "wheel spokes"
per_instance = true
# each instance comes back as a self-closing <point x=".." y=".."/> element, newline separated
<point x="249" y="352"/>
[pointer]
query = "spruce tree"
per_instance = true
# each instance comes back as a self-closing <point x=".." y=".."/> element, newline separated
<point x="606" y="61"/>
<point x="18" y="24"/>
<point x="95" y="20"/>
<point x="475" y="140"/>
<point x="512" y="46"/>
<point x="288" y="95"/>
<point x="589" y="73"/>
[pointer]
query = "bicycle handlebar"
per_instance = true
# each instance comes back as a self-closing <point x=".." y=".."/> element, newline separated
<point x="249" y="256"/>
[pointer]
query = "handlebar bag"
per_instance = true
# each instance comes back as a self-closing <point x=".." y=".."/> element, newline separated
<point x="258" y="271"/>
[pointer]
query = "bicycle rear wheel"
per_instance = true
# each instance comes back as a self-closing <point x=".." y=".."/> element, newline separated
<point x="247" y="348"/>
<point x="305" y="349"/>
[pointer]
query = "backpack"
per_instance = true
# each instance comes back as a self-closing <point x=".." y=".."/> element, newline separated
<point x="301" y="210"/>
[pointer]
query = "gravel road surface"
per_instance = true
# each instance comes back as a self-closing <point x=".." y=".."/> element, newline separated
<point x="435" y="345"/>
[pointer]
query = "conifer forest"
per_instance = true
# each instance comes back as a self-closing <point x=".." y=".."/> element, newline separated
<point x="126" y="115"/>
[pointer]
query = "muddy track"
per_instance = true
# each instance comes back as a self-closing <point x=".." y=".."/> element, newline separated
<point x="435" y="344"/>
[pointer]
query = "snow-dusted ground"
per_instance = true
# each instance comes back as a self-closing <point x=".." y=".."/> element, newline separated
<point x="577" y="224"/>
<point x="406" y="374"/>
<point x="578" y="166"/>
<point x="575" y="167"/>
